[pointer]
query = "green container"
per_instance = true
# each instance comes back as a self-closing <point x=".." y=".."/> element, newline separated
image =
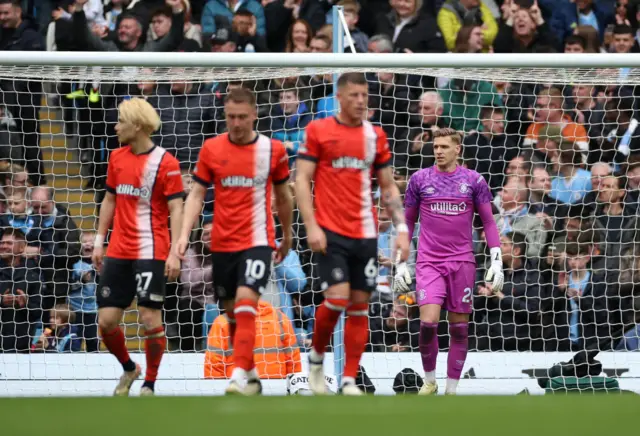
<point x="582" y="385"/>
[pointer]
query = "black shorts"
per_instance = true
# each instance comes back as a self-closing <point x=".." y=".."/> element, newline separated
<point x="122" y="280"/>
<point x="250" y="268"/>
<point x="348" y="260"/>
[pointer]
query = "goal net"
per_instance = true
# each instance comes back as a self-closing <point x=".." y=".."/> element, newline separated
<point x="559" y="148"/>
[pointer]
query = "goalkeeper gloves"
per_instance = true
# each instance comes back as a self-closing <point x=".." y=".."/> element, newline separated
<point x="402" y="279"/>
<point x="494" y="275"/>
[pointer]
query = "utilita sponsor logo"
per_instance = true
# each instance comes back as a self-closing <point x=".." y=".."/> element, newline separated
<point x="446" y="208"/>
<point x="351" y="163"/>
<point x="131" y="190"/>
<point x="241" y="182"/>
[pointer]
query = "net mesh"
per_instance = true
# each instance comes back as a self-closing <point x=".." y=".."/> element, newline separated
<point x="599" y="76"/>
<point x="557" y="147"/>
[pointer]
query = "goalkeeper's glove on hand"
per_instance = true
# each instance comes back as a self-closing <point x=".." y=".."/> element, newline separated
<point x="494" y="275"/>
<point x="402" y="279"/>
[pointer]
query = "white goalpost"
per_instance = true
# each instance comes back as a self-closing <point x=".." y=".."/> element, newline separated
<point x="410" y="94"/>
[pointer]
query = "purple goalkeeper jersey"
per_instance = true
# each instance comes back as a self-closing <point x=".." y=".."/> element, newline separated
<point x="446" y="203"/>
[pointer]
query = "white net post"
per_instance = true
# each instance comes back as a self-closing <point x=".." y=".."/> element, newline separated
<point x="551" y="313"/>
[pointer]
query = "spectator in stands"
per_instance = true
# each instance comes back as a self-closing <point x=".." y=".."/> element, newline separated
<point x="411" y="29"/>
<point x="248" y="41"/>
<point x="589" y="112"/>
<point x="112" y="11"/>
<point x="621" y="133"/>
<point x="188" y="118"/>
<point x="547" y="147"/>
<point x="575" y="44"/>
<point x="82" y="295"/>
<point x="17" y="216"/>
<point x="23" y="98"/>
<point x="393" y="102"/>
<point x="298" y="37"/>
<point x="281" y="14"/>
<point x="61" y="334"/>
<point x="215" y="10"/>
<point x="456" y="14"/>
<point x="161" y="22"/>
<point x="623" y="39"/>
<point x="579" y="296"/>
<point x="582" y="13"/>
<point x="351" y="15"/>
<point x="633" y="181"/>
<point x="515" y="216"/>
<point x="489" y="150"/>
<point x="58" y="237"/>
<point x="540" y="202"/>
<point x="599" y="171"/>
<point x="380" y="43"/>
<point x="463" y="100"/>
<point x="469" y="40"/>
<point x="20" y="293"/>
<point x="549" y="109"/>
<point x="401" y="325"/>
<point x="287" y="121"/>
<point x="225" y="40"/>
<point x="509" y="320"/>
<point x="524" y="31"/>
<point x="196" y="290"/>
<point x="591" y="39"/>
<point x="519" y="167"/>
<point x="130" y="32"/>
<point x="572" y="182"/>
<point x="618" y="218"/>
<point x="276" y="353"/>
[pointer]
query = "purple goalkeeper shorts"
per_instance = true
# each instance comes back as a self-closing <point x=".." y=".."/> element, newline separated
<point x="447" y="284"/>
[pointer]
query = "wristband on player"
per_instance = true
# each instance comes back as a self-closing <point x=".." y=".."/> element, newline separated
<point x="496" y="254"/>
<point x="98" y="241"/>
<point x="402" y="228"/>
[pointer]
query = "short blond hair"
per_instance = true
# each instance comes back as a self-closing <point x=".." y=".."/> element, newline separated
<point x="139" y="112"/>
<point x="447" y="132"/>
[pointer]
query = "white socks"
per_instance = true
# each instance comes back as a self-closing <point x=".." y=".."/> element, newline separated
<point x="348" y="381"/>
<point x="238" y="375"/>
<point x="430" y="376"/>
<point x="452" y="385"/>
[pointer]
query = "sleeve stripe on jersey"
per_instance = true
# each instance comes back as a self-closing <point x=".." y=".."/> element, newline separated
<point x="383" y="165"/>
<point x="308" y="157"/>
<point x="180" y="194"/>
<point x="201" y="181"/>
<point x="280" y="182"/>
<point x="110" y="189"/>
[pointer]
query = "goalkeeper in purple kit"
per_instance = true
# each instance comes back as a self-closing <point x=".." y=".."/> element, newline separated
<point x="445" y="197"/>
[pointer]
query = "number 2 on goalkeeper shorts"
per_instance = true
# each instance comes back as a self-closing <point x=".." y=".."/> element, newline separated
<point x="466" y="298"/>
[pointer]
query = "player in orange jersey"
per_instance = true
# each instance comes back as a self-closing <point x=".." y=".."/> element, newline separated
<point x="243" y="166"/>
<point x="341" y="155"/>
<point x="144" y="188"/>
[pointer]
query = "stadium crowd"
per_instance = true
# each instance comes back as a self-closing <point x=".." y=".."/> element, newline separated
<point x="562" y="161"/>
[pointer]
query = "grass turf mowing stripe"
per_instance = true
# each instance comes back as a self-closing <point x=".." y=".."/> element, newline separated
<point x="309" y="416"/>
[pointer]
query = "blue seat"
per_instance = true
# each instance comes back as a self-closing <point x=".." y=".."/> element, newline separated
<point x="211" y="312"/>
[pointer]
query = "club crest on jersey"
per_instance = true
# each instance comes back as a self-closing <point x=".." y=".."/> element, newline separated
<point x="242" y="182"/>
<point x="447" y="208"/>
<point x="143" y="192"/>
<point x="351" y="163"/>
<point x="463" y="188"/>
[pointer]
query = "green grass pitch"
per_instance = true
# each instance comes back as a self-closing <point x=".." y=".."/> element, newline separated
<point x="328" y="416"/>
